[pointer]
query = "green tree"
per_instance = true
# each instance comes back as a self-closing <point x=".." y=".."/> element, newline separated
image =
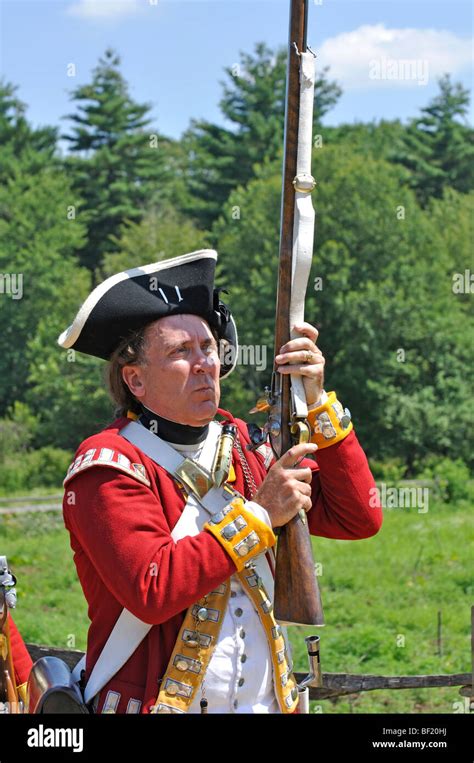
<point x="374" y="138"/>
<point x="38" y="239"/>
<point x="36" y="147"/>
<point x="438" y="147"/>
<point x="395" y="336"/>
<point x="162" y="233"/>
<point x="40" y="277"/>
<point x="253" y="102"/>
<point x="45" y="399"/>
<point x="66" y="388"/>
<point x="119" y="165"/>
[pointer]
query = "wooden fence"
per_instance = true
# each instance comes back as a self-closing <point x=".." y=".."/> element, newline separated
<point x="334" y="684"/>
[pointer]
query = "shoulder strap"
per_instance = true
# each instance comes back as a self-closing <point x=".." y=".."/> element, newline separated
<point x="129" y="631"/>
<point x="127" y="634"/>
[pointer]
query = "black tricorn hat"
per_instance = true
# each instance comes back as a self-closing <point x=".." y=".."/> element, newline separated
<point x="130" y="300"/>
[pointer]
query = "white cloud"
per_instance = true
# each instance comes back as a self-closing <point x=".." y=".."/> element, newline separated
<point x="374" y="56"/>
<point x="105" y="9"/>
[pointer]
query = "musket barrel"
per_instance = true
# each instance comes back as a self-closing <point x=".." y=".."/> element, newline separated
<point x="297" y="597"/>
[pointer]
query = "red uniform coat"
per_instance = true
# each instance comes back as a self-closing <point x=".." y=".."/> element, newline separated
<point x="120" y="529"/>
<point x="22" y="661"/>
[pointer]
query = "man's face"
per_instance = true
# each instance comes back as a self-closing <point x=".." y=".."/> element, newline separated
<point x="180" y="379"/>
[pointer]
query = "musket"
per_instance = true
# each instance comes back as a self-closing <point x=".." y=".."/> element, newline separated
<point x="297" y="597"/>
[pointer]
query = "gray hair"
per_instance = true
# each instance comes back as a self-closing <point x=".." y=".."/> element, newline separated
<point x="131" y="351"/>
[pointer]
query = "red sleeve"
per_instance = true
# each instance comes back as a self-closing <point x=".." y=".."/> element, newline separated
<point x="122" y="529"/>
<point x="21" y="658"/>
<point x="346" y="505"/>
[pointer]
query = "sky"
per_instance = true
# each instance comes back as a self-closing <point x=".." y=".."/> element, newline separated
<point x="385" y="54"/>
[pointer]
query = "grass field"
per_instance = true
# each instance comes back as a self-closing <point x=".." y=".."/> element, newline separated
<point x="381" y="598"/>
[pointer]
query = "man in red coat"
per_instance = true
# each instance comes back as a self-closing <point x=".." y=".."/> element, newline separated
<point x="178" y="565"/>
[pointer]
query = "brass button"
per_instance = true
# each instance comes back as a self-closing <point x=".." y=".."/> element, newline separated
<point x="182" y="665"/>
<point x="243" y="549"/>
<point x="172" y="689"/>
<point x="202" y="614"/>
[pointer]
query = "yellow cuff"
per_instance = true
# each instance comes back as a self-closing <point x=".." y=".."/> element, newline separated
<point x="240" y="532"/>
<point x="329" y="422"/>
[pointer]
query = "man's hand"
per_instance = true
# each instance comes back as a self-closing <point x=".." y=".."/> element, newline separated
<point x="286" y="489"/>
<point x="301" y="356"/>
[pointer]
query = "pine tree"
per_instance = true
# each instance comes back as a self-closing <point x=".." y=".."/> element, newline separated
<point x="220" y="159"/>
<point x="39" y="277"/>
<point x="35" y="147"/>
<point x="120" y="164"/>
<point x="438" y="147"/>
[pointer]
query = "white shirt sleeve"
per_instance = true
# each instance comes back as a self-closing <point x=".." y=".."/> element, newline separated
<point x="321" y="401"/>
<point x="259" y="512"/>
